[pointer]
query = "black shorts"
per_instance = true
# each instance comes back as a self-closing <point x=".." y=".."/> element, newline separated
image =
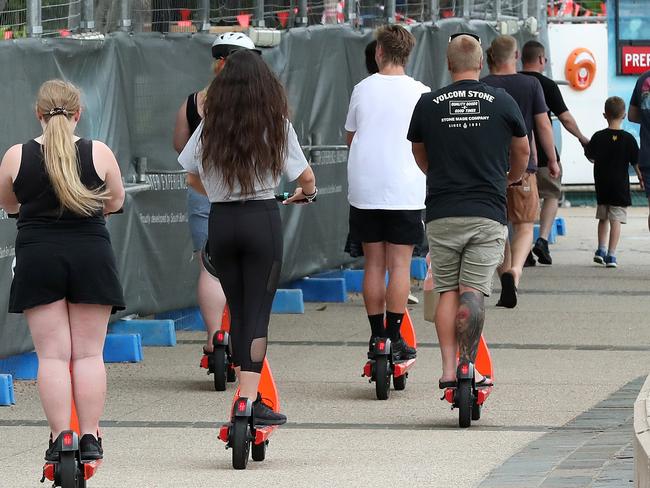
<point x="394" y="226"/>
<point x="77" y="264"/>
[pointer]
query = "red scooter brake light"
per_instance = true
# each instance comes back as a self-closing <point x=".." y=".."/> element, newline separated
<point x="464" y="368"/>
<point x="241" y="406"/>
<point x="220" y="336"/>
<point x="67" y="440"/>
<point x="381" y="346"/>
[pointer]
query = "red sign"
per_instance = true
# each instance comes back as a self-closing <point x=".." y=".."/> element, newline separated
<point x="635" y="59"/>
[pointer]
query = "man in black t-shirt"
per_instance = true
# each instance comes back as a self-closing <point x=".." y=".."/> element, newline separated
<point x="533" y="58"/>
<point x="640" y="114"/>
<point x="465" y="136"/>
<point x="523" y="200"/>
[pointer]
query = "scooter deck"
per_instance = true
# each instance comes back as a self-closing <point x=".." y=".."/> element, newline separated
<point x="482" y="395"/>
<point x="401" y="367"/>
<point x="89" y="467"/>
<point x="262" y="433"/>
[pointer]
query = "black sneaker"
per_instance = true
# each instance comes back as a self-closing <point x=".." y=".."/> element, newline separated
<point x="264" y="415"/>
<point x="530" y="261"/>
<point x="402" y="351"/>
<point x="51" y="455"/>
<point x="90" y="448"/>
<point x="540" y="249"/>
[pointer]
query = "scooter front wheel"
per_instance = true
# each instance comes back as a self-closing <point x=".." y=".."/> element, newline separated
<point x="464" y="403"/>
<point x="240" y="442"/>
<point x="258" y="451"/>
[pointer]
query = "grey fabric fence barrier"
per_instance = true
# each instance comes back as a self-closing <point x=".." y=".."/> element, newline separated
<point x="133" y="86"/>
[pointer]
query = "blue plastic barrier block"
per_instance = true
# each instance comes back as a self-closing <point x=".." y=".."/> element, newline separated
<point x="123" y="348"/>
<point x="7" y="397"/>
<point x="322" y="289"/>
<point x="184" y="318"/>
<point x="419" y="268"/>
<point x="152" y="332"/>
<point x="20" y="366"/>
<point x="552" y="238"/>
<point x="560" y="226"/>
<point x="354" y="280"/>
<point x="288" y="301"/>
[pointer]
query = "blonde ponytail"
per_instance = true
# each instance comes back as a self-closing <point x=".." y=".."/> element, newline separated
<point x="57" y="103"/>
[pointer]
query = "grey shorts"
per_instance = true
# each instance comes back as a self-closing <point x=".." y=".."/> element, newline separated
<point x="465" y="251"/>
<point x="548" y="187"/>
<point x="611" y="212"/>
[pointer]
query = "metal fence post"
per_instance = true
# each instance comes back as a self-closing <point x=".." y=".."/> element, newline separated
<point x="466" y="9"/>
<point x="351" y="7"/>
<point x="435" y="10"/>
<point x="524" y="10"/>
<point x="303" y="6"/>
<point x="88" y="15"/>
<point x="259" y="13"/>
<point x="497" y="10"/>
<point x="125" y="15"/>
<point x="205" y="15"/>
<point x="34" y="24"/>
<point x="390" y="11"/>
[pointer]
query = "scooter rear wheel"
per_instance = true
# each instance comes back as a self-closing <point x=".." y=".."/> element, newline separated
<point x="81" y="480"/>
<point x="399" y="382"/>
<point x="464" y="403"/>
<point x="258" y="451"/>
<point x="240" y="442"/>
<point x="382" y="377"/>
<point x="67" y="469"/>
<point x="231" y="376"/>
<point x="220" y="362"/>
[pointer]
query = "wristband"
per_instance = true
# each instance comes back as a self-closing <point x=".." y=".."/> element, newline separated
<point x="310" y="197"/>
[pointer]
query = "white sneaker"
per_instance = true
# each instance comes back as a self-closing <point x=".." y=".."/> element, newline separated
<point x="413" y="300"/>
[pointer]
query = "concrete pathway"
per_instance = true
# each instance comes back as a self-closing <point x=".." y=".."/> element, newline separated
<point x="576" y="347"/>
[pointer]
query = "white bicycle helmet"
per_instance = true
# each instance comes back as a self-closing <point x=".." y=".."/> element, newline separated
<point x="229" y="42"/>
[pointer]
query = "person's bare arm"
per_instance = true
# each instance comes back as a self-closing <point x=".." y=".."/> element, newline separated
<point x="420" y="155"/>
<point x="570" y="124"/>
<point x="109" y="170"/>
<point x="195" y="182"/>
<point x="519" y="154"/>
<point x="181" y="129"/>
<point x="544" y="131"/>
<point x="8" y="171"/>
<point x="306" y="186"/>
<point x="634" y="114"/>
<point x="639" y="175"/>
<point x="348" y="137"/>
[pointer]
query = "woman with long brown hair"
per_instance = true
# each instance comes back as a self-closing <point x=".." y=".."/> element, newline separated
<point x="237" y="157"/>
<point x="65" y="280"/>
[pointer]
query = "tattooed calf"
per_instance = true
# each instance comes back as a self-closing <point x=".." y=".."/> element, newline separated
<point x="469" y="324"/>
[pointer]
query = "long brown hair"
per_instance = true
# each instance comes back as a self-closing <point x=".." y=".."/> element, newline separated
<point x="57" y="102"/>
<point x="245" y="125"/>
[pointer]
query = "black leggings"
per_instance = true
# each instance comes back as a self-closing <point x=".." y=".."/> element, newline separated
<point x="245" y="247"/>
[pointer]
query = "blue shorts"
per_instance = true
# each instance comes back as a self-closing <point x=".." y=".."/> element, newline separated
<point x="198" y="210"/>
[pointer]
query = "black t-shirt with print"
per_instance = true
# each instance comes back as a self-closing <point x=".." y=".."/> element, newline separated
<point x="641" y="100"/>
<point x="528" y="94"/>
<point x="612" y="151"/>
<point x="555" y="103"/>
<point x="466" y="128"/>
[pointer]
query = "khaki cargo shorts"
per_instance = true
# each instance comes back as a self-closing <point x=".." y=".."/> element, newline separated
<point x="611" y="212"/>
<point x="465" y="251"/>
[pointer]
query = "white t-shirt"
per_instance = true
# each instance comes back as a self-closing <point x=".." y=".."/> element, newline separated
<point x="382" y="172"/>
<point x="190" y="159"/>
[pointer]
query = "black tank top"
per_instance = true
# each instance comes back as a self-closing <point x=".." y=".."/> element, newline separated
<point x="192" y="112"/>
<point x="39" y="204"/>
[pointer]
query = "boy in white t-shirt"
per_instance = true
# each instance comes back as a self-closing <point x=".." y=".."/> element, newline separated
<point x="386" y="187"/>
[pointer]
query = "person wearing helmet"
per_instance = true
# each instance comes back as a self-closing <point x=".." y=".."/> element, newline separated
<point x="209" y="293"/>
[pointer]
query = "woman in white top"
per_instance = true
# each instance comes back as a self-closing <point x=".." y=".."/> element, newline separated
<point x="386" y="188"/>
<point x="237" y="157"/>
